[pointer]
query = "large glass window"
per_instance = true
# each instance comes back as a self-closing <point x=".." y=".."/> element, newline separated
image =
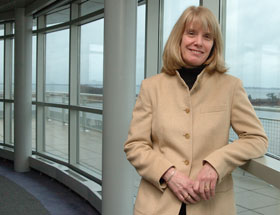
<point x="34" y="58"/>
<point x="34" y="127"/>
<point x="90" y="6"/>
<point x="90" y="150"/>
<point x="58" y="16"/>
<point x="171" y="12"/>
<point x="1" y="68"/>
<point x="57" y="67"/>
<point x="253" y="55"/>
<point x="140" y="49"/>
<point x="1" y="30"/>
<point x="56" y="132"/>
<point x="1" y="123"/>
<point x="91" y="64"/>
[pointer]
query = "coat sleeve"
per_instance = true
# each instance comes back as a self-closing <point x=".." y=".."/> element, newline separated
<point x="151" y="165"/>
<point x="252" y="141"/>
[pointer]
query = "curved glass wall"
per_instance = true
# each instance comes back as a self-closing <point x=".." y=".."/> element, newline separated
<point x="1" y="90"/>
<point x="1" y="30"/>
<point x="57" y="67"/>
<point x="1" y="68"/>
<point x="172" y="9"/>
<point x="253" y="55"/>
<point x="91" y="64"/>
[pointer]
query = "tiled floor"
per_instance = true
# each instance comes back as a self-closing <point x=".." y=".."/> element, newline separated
<point x="254" y="196"/>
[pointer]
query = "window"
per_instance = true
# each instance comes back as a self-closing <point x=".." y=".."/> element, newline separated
<point x="1" y="30"/>
<point x="90" y="6"/>
<point x="1" y="69"/>
<point x="1" y="90"/>
<point x="140" y="46"/>
<point x="57" y="67"/>
<point x="91" y="64"/>
<point x="90" y="147"/>
<point x="34" y="58"/>
<point x="58" y="16"/>
<point x="172" y="9"/>
<point x="252" y="54"/>
<point x="56" y="132"/>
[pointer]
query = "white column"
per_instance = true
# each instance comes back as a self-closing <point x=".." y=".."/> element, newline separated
<point x="119" y="98"/>
<point x="23" y="90"/>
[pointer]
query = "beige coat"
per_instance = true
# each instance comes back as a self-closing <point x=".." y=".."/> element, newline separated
<point x="172" y="126"/>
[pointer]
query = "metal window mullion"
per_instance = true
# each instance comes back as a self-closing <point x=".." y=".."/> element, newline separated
<point x="214" y="6"/>
<point x="40" y="86"/>
<point x="74" y="78"/>
<point x="152" y="49"/>
<point x="8" y="56"/>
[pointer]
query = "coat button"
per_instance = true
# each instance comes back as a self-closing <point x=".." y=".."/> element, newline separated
<point x="187" y="110"/>
<point x="187" y="136"/>
<point x="187" y="162"/>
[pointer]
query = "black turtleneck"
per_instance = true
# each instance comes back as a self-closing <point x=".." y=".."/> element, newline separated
<point x="189" y="75"/>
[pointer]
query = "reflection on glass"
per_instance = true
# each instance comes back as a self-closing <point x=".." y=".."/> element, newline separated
<point x="171" y="12"/>
<point x="91" y="6"/>
<point x="140" y="49"/>
<point x="34" y="57"/>
<point x="91" y="64"/>
<point x="58" y="16"/>
<point x="1" y="68"/>
<point x="13" y="124"/>
<point x="13" y="68"/>
<point x="90" y="144"/>
<point x="1" y="123"/>
<point x="34" y="26"/>
<point x="57" y="67"/>
<point x="34" y="127"/>
<point x="253" y="54"/>
<point x="1" y="30"/>
<point x="56" y="132"/>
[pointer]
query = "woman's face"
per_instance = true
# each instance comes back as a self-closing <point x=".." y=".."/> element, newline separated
<point x="196" y="46"/>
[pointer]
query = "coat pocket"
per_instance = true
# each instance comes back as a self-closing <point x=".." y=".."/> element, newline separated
<point x="213" y="108"/>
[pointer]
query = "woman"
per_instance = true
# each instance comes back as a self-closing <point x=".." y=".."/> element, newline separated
<point x="178" y="138"/>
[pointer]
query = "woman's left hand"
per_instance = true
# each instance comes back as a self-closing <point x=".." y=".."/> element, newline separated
<point x="205" y="182"/>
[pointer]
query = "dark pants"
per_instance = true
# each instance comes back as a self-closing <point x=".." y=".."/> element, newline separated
<point x="183" y="209"/>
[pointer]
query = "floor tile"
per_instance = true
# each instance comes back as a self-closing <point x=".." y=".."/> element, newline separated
<point x="252" y="200"/>
<point x="240" y="209"/>
<point x="248" y="183"/>
<point x="270" y="191"/>
<point x="271" y="210"/>
<point x="250" y="213"/>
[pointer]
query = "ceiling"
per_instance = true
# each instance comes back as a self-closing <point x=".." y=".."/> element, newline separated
<point x="10" y="5"/>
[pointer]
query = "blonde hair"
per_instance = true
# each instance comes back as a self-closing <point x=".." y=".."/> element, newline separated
<point x="172" y="59"/>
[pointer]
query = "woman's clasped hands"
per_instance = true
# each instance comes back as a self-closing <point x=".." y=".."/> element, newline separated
<point x="192" y="191"/>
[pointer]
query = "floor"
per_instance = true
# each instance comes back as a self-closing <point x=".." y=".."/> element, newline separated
<point x="254" y="196"/>
<point x="56" y="198"/>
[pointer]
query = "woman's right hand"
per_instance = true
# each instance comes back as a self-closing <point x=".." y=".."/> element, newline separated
<point x="181" y="186"/>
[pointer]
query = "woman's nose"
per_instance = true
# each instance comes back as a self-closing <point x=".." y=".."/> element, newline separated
<point x="198" y="40"/>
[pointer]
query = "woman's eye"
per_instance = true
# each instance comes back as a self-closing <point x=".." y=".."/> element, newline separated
<point x="190" y="33"/>
<point x="208" y="36"/>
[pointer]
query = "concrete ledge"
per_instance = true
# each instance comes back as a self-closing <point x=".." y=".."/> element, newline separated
<point x="265" y="168"/>
<point x="86" y="188"/>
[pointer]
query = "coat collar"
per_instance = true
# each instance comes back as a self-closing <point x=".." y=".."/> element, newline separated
<point x="200" y="79"/>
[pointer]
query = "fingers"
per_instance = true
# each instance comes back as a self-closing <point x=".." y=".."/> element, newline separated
<point x="190" y="199"/>
<point x="205" y="183"/>
<point x="207" y="191"/>
<point x="182" y="187"/>
<point x="212" y="189"/>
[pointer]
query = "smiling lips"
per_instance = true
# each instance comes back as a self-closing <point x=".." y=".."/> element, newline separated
<point x="196" y="51"/>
